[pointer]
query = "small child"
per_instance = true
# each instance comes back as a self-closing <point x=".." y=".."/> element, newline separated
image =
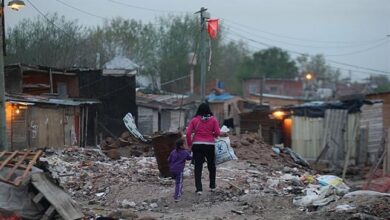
<point x="177" y="160"/>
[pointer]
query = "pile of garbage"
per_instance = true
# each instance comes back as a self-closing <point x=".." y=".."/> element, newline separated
<point x="126" y="146"/>
<point x="88" y="175"/>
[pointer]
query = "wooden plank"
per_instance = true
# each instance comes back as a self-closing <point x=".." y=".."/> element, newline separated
<point x="8" y="159"/>
<point x="49" y="213"/>
<point x="37" y="198"/>
<point x="387" y="150"/>
<point x="11" y="172"/>
<point x="29" y="166"/>
<point x="62" y="202"/>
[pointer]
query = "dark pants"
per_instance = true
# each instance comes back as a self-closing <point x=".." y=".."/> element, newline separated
<point x="200" y="153"/>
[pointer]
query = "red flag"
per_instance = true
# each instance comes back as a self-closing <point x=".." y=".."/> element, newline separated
<point x="212" y="28"/>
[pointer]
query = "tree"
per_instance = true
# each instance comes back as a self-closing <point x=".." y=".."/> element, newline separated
<point x="178" y="37"/>
<point x="228" y="65"/>
<point x="380" y="83"/>
<point x="317" y="65"/>
<point x="52" y="42"/>
<point x="271" y="63"/>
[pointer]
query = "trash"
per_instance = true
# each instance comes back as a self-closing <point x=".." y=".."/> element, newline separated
<point x="100" y="194"/>
<point x="223" y="151"/>
<point x="344" y="207"/>
<point x="130" y="124"/>
<point x="238" y="212"/>
<point x="365" y="193"/>
<point x="334" y="181"/>
<point x="316" y="196"/>
<point x="296" y="157"/>
<point x="276" y="150"/>
<point x="307" y="178"/>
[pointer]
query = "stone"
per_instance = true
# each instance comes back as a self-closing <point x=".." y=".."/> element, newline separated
<point x="153" y="205"/>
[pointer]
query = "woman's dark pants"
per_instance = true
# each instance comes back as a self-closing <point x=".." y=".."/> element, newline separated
<point x="202" y="152"/>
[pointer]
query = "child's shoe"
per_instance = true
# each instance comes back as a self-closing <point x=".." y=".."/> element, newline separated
<point x="177" y="199"/>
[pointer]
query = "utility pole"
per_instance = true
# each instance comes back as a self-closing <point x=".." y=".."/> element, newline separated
<point x="203" y="59"/>
<point x="262" y="79"/>
<point x="3" y="129"/>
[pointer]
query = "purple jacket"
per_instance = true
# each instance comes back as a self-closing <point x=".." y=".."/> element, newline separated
<point x="177" y="160"/>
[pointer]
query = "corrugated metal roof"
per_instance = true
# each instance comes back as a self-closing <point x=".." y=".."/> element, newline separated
<point x="30" y="99"/>
<point x="164" y="101"/>
<point x="267" y="95"/>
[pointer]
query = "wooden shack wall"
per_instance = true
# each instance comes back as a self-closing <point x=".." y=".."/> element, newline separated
<point x="48" y="127"/>
<point x="217" y="108"/>
<point x="385" y="107"/>
<point x="117" y="96"/>
<point x="372" y="121"/>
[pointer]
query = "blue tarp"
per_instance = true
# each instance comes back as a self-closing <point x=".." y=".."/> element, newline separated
<point x="222" y="97"/>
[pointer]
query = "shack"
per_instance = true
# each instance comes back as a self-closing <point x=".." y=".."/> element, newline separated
<point x="164" y="112"/>
<point x="114" y="86"/>
<point x="328" y="130"/>
<point x="225" y="107"/>
<point x="46" y="122"/>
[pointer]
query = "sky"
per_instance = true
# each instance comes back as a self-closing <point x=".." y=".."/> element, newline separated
<point x="352" y="34"/>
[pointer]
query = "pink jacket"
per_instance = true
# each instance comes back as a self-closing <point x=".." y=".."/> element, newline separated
<point x="205" y="130"/>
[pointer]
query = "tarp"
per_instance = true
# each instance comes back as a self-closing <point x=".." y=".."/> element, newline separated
<point x="18" y="200"/>
<point x="317" y="109"/>
<point x="222" y="97"/>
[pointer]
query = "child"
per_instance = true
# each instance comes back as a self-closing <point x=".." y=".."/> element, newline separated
<point x="177" y="160"/>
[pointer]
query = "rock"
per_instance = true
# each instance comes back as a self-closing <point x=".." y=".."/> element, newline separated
<point x="153" y="205"/>
<point x="287" y="170"/>
<point x="127" y="204"/>
<point x="123" y="214"/>
<point x="113" y="154"/>
<point x="245" y="142"/>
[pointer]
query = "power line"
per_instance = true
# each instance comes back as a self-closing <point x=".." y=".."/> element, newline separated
<point x="375" y="72"/>
<point x="358" y="51"/>
<point x="300" y="53"/>
<point x="301" y="39"/>
<point x="299" y="45"/>
<point x="48" y="20"/>
<point x="80" y="10"/>
<point x="143" y="8"/>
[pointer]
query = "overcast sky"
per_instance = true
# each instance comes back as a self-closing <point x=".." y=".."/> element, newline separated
<point x="351" y="32"/>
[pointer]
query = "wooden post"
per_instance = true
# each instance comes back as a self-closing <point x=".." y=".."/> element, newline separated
<point x="86" y="127"/>
<point x="386" y="166"/>
<point x="51" y="81"/>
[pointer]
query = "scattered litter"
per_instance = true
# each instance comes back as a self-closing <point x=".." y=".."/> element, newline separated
<point x="344" y="207"/>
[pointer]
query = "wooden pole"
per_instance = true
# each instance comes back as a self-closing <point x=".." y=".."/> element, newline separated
<point x="386" y="166"/>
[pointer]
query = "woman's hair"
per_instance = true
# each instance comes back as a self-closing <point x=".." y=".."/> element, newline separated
<point x="179" y="143"/>
<point x="204" y="110"/>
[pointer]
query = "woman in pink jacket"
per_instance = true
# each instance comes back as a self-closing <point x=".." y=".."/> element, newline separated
<point x="201" y="133"/>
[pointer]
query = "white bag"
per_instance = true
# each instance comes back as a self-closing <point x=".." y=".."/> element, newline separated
<point x="223" y="151"/>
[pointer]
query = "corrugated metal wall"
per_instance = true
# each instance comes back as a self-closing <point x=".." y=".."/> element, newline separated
<point x="308" y="134"/>
<point x="147" y="120"/>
